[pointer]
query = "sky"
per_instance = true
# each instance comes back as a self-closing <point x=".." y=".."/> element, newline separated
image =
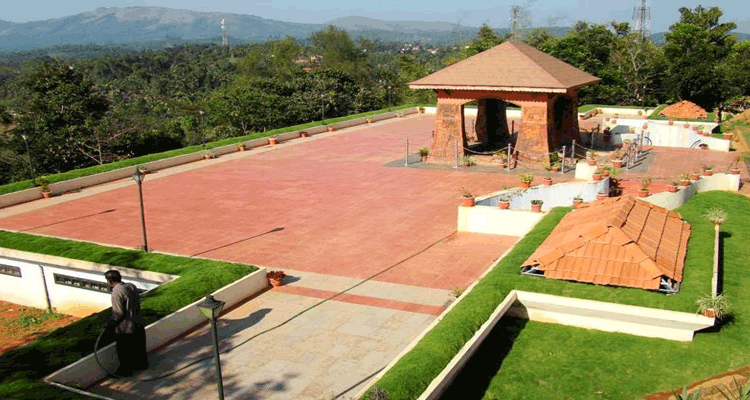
<point x="493" y="12"/>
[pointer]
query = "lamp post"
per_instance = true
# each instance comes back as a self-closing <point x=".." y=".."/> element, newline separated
<point x="211" y="308"/>
<point x="203" y="134"/>
<point x="389" y="97"/>
<point x="28" y="154"/>
<point x="138" y="177"/>
<point x="322" y="107"/>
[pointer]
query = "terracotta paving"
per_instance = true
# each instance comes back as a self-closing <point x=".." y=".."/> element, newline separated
<point x="342" y="212"/>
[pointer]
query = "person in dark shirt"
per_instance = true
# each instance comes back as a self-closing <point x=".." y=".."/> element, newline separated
<point x="130" y="333"/>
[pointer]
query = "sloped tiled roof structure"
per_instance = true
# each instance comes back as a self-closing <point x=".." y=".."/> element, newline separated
<point x="621" y="241"/>
<point x="510" y="66"/>
<point x="684" y="109"/>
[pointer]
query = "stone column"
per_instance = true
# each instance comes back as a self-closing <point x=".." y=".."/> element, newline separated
<point x="537" y="125"/>
<point x="568" y="119"/>
<point x="449" y="127"/>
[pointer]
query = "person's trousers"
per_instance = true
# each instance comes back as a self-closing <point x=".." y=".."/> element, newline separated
<point x="131" y="350"/>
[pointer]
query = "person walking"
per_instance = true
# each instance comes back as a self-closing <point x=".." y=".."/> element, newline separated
<point x="129" y="326"/>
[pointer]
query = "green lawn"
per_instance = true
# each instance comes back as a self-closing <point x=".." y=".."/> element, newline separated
<point x="22" y="369"/>
<point x="586" y="107"/>
<point x="64" y="176"/>
<point x="561" y="362"/>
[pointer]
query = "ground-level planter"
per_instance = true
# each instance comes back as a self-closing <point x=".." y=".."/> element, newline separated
<point x="276" y="278"/>
<point x="591" y="161"/>
<point x="525" y="185"/>
<point x="273" y="141"/>
<point x="710" y="313"/>
<point x="46" y="194"/>
<point x="547" y="181"/>
<point x="304" y="134"/>
<point x="424" y="158"/>
<point x="643" y="192"/>
<point x="617" y="163"/>
<point x="467" y="201"/>
<point x="601" y="196"/>
<point x="704" y="146"/>
<point x="596" y="177"/>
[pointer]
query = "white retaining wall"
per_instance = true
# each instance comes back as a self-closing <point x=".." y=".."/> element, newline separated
<point x="662" y="134"/>
<point x="86" y="372"/>
<point x="37" y="283"/>
<point x="588" y="314"/>
<point x="671" y="201"/>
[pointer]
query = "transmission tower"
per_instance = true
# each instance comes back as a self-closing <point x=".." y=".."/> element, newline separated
<point x="642" y="18"/>
<point x="520" y="18"/>
<point x="224" y="34"/>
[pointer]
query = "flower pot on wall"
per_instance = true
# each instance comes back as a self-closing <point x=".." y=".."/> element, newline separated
<point x="684" y="182"/>
<point x="547" y="181"/>
<point x="467" y="201"/>
<point x="694" y="176"/>
<point x="46" y="194"/>
<point x="708" y="172"/>
<point x="704" y="146"/>
<point x="643" y="192"/>
<point x="596" y="177"/>
<point x="577" y="202"/>
<point x="727" y="136"/>
<point x="617" y="163"/>
<point x="735" y="171"/>
<point x="601" y="196"/>
<point x="503" y="204"/>
<point x="591" y="162"/>
<point x="536" y="207"/>
<point x="672" y="188"/>
<point x="273" y="141"/>
<point x="304" y="134"/>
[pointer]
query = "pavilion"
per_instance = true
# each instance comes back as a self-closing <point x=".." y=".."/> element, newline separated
<point x="544" y="87"/>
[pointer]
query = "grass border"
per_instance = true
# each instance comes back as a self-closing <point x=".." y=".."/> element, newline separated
<point x="97" y="169"/>
<point x="22" y="369"/>
<point x="586" y="107"/>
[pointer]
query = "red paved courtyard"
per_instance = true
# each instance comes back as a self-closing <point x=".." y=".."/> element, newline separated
<point x="343" y="212"/>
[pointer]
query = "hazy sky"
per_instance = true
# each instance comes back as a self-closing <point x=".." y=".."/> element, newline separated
<point x="472" y="13"/>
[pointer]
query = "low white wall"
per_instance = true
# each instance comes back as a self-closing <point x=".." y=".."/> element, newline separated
<point x="85" y="372"/>
<point x="672" y="201"/>
<point x="493" y="220"/>
<point x="660" y="133"/>
<point x="557" y="195"/>
<point x="472" y="112"/>
<point x="588" y="314"/>
<point x="30" y="289"/>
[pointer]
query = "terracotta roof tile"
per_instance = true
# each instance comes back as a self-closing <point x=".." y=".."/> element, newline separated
<point x="508" y="66"/>
<point x="620" y="241"/>
<point x="684" y="109"/>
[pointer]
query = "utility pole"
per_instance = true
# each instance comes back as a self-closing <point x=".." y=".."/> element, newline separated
<point x="642" y="19"/>
<point x="224" y="34"/>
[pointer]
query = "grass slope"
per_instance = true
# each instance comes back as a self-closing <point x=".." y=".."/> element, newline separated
<point x="21" y="369"/>
<point x="77" y="173"/>
<point x="555" y="361"/>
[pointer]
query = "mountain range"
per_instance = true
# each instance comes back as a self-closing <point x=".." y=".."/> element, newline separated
<point x="142" y="24"/>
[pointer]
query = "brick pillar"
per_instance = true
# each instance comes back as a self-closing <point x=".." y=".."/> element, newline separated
<point x="480" y="127"/>
<point x="497" y="121"/>
<point x="567" y="119"/>
<point x="449" y="127"/>
<point x="537" y="125"/>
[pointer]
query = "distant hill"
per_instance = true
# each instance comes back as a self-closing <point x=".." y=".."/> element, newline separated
<point x="659" y="38"/>
<point x="367" y="24"/>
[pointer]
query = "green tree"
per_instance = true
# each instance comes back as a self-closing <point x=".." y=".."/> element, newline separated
<point x="339" y="51"/>
<point x="695" y="47"/>
<point x="737" y="69"/>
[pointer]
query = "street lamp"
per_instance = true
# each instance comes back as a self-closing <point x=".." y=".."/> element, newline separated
<point x="28" y="154"/>
<point x="203" y="134"/>
<point x="389" y="97"/>
<point x="322" y="107"/>
<point x="138" y="177"/>
<point x="211" y="308"/>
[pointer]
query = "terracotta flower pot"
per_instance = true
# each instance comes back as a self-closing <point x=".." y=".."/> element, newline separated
<point x="555" y="169"/>
<point x="503" y="165"/>
<point x="710" y="313"/>
<point x="727" y="136"/>
<point x="241" y="148"/>
<point x="577" y="203"/>
<point x="547" y="181"/>
<point x="671" y="122"/>
<point x="304" y="134"/>
<point x="591" y="162"/>
<point x="272" y="141"/>
<point x="601" y="196"/>
<point x="617" y="163"/>
<point x="643" y="192"/>
<point x="536" y="207"/>
<point x="735" y="171"/>
<point x="684" y="182"/>
<point x="369" y="120"/>
<point x="424" y="158"/>
<point x="708" y="172"/>
<point x="467" y="201"/>
<point x="46" y="194"/>
<point x="605" y="174"/>
<point x="596" y="177"/>
<point x="672" y="188"/>
<point x="582" y="117"/>
<point x="704" y="146"/>
<point x="330" y="129"/>
<point x="276" y="278"/>
<point x="504" y="205"/>
<point x="694" y="176"/>
<point x="525" y="185"/>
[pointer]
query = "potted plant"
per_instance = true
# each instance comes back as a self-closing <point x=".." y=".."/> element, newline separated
<point x="687" y="125"/>
<point x="466" y="161"/>
<point x="273" y="140"/>
<point x="671" y="122"/>
<point x="577" y="201"/>
<point x="607" y="135"/>
<point x="369" y="120"/>
<point x="536" y="205"/>
<point x="708" y="170"/>
<point x="547" y="181"/>
<point x="421" y="110"/>
<point x="714" y="307"/>
<point x="467" y="198"/>
<point x="240" y="146"/>
<point x="207" y="155"/>
<point x="716" y="216"/>
<point x="704" y="146"/>
<point x="304" y="134"/>
<point x="423" y="153"/>
<point x="44" y="187"/>
<point x="330" y="128"/>
<point x="602" y="195"/>
<point x="597" y="175"/>
<point x="526" y="180"/>
<point x="142" y="169"/>
<point x="275" y="278"/>
<point x="727" y="135"/>
<point x="605" y="171"/>
<point x="735" y="169"/>
<point x="673" y="187"/>
<point x="556" y="166"/>
<point x="617" y="159"/>
<point x="684" y="179"/>
<point x="503" y="202"/>
<point x="644" y="190"/>
<point x="591" y="157"/>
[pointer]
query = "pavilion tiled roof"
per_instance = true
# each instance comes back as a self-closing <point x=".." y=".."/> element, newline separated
<point x="621" y="241"/>
<point x="510" y="66"/>
<point x="684" y="109"/>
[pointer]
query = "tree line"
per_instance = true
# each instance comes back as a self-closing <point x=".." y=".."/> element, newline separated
<point x="57" y="115"/>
